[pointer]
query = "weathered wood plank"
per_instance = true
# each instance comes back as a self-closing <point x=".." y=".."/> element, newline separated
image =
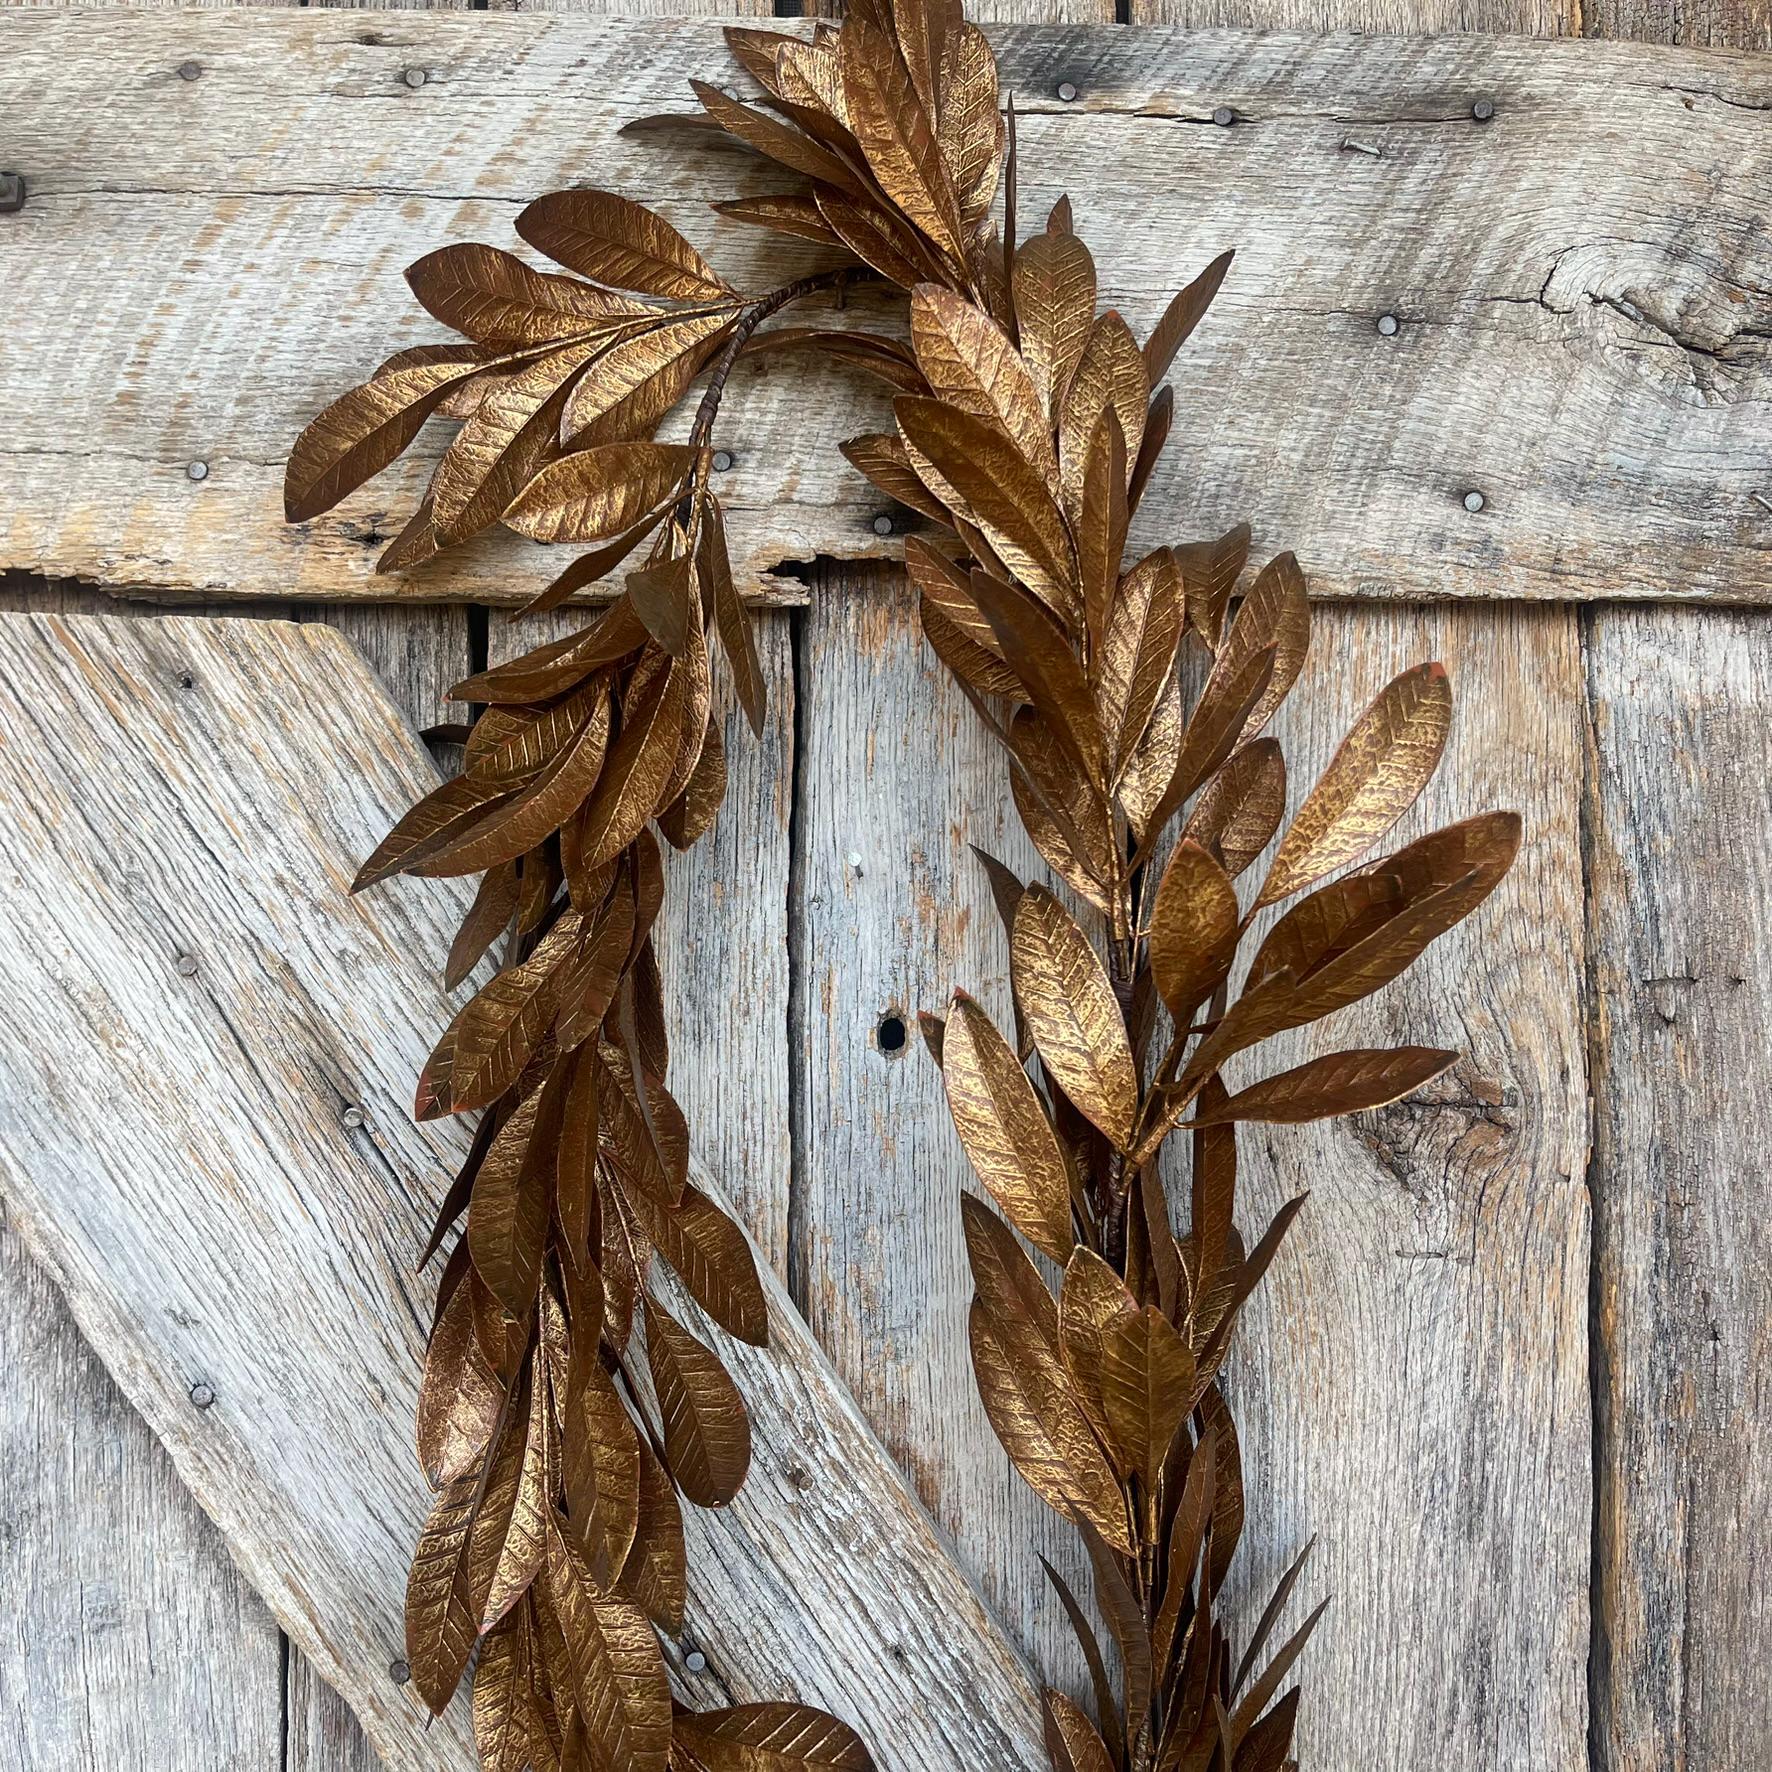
<point x="1412" y="1382"/>
<point x="203" y="263"/>
<point x="1680" y="821"/>
<point x="723" y="943"/>
<point x="271" y="1261"/>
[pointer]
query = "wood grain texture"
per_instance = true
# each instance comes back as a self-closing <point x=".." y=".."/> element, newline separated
<point x="270" y="1259"/>
<point x="1680" y="821"/>
<point x="1582" y="333"/>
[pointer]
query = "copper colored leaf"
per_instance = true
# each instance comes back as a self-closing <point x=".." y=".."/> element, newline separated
<point x="488" y="918"/>
<point x="1091" y="1298"/>
<point x="1147" y="1386"/>
<point x="969" y="129"/>
<point x="689" y="817"/>
<point x="631" y="788"/>
<point x="772" y="1737"/>
<point x="1064" y="813"/>
<point x="524" y="1540"/>
<point x="1194" y="926"/>
<point x="885" y="462"/>
<point x="1137" y="653"/>
<point x="993" y="486"/>
<point x="440" y="1622"/>
<point x="1210" y="570"/>
<point x="777" y="140"/>
<point x="1072" y="1014"/>
<point x="1004" y="1128"/>
<point x="788" y="214"/>
<point x="618" y="242"/>
<point x="508" y="1216"/>
<point x="1275" y="612"/>
<point x="494" y="298"/>
<point x="1180" y="318"/>
<point x="1338" y="1083"/>
<point x="592" y="494"/>
<point x="459" y="1401"/>
<point x="663" y="595"/>
<point x="1054" y="283"/>
<point x="714" y="565"/>
<point x="1383" y="764"/>
<point x="1240" y="808"/>
<point x="509" y="1729"/>
<point x="1101" y="539"/>
<point x="638" y="378"/>
<point x="600" y="1471"/>
<point x="712" y="1256"/>
<point x="655" y="1575"/>
<point x="1109" y="375"/>
<point x="1035" y="649"/>
<point x="878" y="238"/>
<point x="707" y="1434"/>
<point x="1072" y="1741"/>
<point x="362" y="431"/>
<point x="619" y="1684"/>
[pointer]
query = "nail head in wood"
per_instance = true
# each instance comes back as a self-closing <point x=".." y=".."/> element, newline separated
<point x="190" y="70"/>
<point x="695" y="1661"/>
<point x="722" y="461"/>
<point x="1067" y="92"/>
<point x="1474" y="501"/>
<point x="197" y="470"/>
<point x="883" y="524"/>
<point x="1483" y="109"/>
<point x="1367" y="148"/>
<point x="1387" y="325"/>
<point x="351" y="1118"/>
<point x="12" y="192"/>
<point x="185" y="965"/>
<point x="1224" y="116"/>
<point x="399" y="1672"/>
<point x="415" y="78"/>
<point x="202" y="1395"/>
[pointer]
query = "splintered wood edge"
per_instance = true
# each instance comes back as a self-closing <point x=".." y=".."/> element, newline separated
<point x="206" y="813"/>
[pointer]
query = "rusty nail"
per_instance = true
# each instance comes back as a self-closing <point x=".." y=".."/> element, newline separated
<point x="1483" y="109"/>
<point x="197" y="470"/>
<point x="1361" y="147"/>
<point x="399" y="1672"/>
<point x="185" y="965"/>
<point x="351" y="1118"/>
<point x="190" y="70"/>
<point x="1474" y="501"/>
<point x="1067" y="92"/>
<point x="415" y="78"/>
<point x="883" y="524"/>
<point x="695" y="1661"/>
<point x="1224" y="116"/>
<point x="1387" y="325"/>
<point x="722" y="461"/>
<point x="202" y="1395"/>
<point x="12" y="192"/>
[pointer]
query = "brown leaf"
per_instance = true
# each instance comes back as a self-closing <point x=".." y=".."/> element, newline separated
<point x="780" y="143"/>
<point x="459" y="1401"/>
<point x="712" y="1257"/>
<point x="1194" y="929"/>
<point x="440" y="1622"/>
<point x="1005" y="1131"/>
<point x="1147" y="1386"/>
<point x="523" y="1547"/>
<point x="772" y="1737"/>
<point x="885" y="461"/>
<point x="1110" y="374"/>
<point x="600" y="1470"/>
<point x="592" y="494"/>
<point x="1241" y="807"/>
<point x="878" y="238"/>
<point x="509" y="1729"/>
<point x="1180" y="318"/>
<point x="494" y="298"/>
<point x="714" y="565"/>
<point x="362" y="431"/>
<point x="1210" y="570"/>
<point x="631" y="788"/>
<point x="1072" y="1014"/>
<point x="1137" y="653"/>
<point x="508" y="1215"/>
<point x="1277" y="613"/>
<point x="1037" y="651"/>
<point x="618" y="242"/>
<point x="969" y="362"/>
<point x="663" y="595"/>
<point x="654" y="1575"/>
<point x="707" y="1434"/>
<point x="1054" y="283"/>
<point x="969" y="129"/>
<point x="593" y="974"/>
<point x="689" y="817"/>
<point x="787" y="214"/>
<point x="619" y="1684"/>
<point x="1338" y="1083"/>
<point x="979" y="474"/>
<point x="1071" y="1739"/>
<point x="1101" y="530"/>
<point x="488" y="918"/>
<point x="640" y="377"/>
<point x="1092" y="1297"/>
<point x="1383" y="764"/>
<point x="1064" y="814"/>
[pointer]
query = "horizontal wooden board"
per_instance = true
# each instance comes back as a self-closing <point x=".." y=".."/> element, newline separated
<point x="189" y="1004"/>
<point x="1580" y="285"/>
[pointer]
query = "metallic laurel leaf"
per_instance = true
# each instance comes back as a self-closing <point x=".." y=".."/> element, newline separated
<point x="1240" y="808"/>
<point x="1003" y="1126"/>
<point x="1090" y="1299"/>
<point x="883" y="358"/>
<point x="1064" y="812"/>
<point x="459" y="1400"/>
<point x="780" y="143"/>
<point x="689" y="817"/>
<point x="969" y="129"/>
<point x="600" y="1471"/>
<point x="1110" y="375"/>
<point x="440" y="1621"/>
<point x="592" y="494"/>
<point x="619" y="1684"/>
<point x="508" y="1215"/>
<point x="773" y="1737"/>
<point x="1072" y="1741"/>
<point x="655" y="1575"/>
<point x="1338" y="1083"/>
<point x="1211" y="570"/>
<point x="1147" y="1386"/>
<point x="1138" y="643"/>
<point x="1072" y="1014"/>
<point x="487" y="919"/>
<point x="523" y="1549"/>
<point x="1054" y="283"/>
<point x="1180" y="318"/>
<point x="642" y="375"/>
<point x="714" y="567"/>
<point x="631" y="787"/>
<point x="712" y="1256"/>
<point x="1101" y="542"/>
<point x="509" y="1729"/>
<point x="1275" y="612"/>
<point x="886" y="462"/>
<point x="619" y="242"/>
<point x="707" y="1434"/>
<point x="1375" y="777"/>
<point x="494" y="298"/>
<point x="1194" y="928"/>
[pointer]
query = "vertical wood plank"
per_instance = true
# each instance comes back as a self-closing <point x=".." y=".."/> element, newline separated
<point x="1680" y="820"/>
<point x="1411" y="1380"/>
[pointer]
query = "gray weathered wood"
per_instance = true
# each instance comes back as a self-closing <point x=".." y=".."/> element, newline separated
<point x="1680" y="945"/>
<point x="267" y="1257"/>
<point x="1412" y="1381"/>
<point x="1582" y="335"/>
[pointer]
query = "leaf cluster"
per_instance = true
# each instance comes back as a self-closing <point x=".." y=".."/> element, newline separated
<point x="1131" y="698"/>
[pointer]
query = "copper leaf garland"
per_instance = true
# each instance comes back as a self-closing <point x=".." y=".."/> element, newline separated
<point x="1126" y="694"/>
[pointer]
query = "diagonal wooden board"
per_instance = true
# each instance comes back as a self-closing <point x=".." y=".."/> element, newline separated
<point x="190" y="1006"/>
<point x="221" y="203"/>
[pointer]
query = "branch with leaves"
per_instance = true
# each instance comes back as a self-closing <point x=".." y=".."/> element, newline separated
<point x="1027" y="427"/>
